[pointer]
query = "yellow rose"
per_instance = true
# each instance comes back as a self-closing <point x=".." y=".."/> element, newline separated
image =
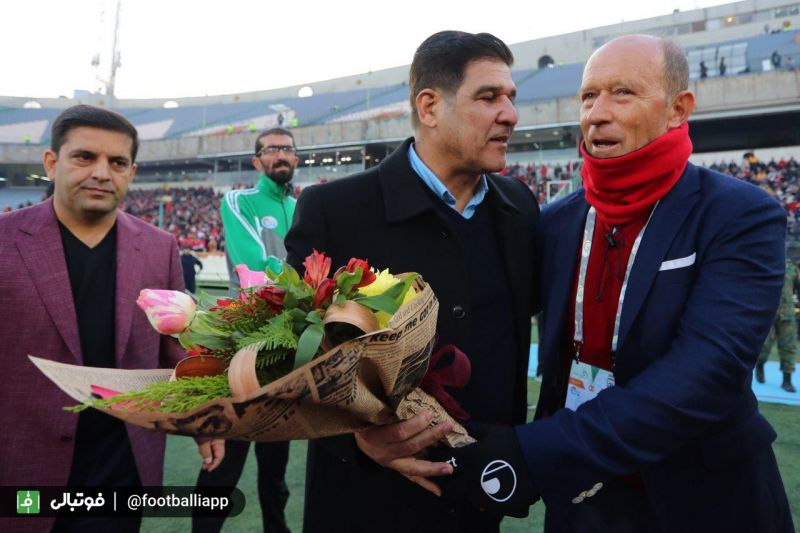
<point x="384" y="280"/>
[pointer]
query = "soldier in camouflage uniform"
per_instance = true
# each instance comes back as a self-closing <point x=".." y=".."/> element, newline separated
<point x="784" y="329"/>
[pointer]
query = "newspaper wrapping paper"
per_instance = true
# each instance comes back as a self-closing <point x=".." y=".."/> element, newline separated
<point x="369" y="380"/>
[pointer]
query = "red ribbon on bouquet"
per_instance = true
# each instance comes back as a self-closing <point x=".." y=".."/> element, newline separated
<point x="455" y="374"/>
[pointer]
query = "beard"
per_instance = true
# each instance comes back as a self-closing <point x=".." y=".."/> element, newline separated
<point x="281" y="173"/>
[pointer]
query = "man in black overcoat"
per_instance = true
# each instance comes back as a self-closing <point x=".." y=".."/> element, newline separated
<point x="433" y="207"/>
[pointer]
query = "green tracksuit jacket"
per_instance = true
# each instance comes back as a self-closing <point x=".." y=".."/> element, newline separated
<point x="256" y="221"/>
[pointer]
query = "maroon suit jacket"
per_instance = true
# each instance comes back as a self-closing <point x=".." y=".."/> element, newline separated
<point x="37" y="317"/>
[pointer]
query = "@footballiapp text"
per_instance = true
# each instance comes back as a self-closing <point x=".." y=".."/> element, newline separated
<point x="116" y="501"/>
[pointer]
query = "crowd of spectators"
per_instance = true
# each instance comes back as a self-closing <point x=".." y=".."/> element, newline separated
<point x="779" y="178"/>
<point x="536" y="177"/>
<point x="192" y="215"/>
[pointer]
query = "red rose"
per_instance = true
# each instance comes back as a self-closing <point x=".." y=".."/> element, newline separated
<point x="367" y="276"/>
<point x="273" y="296"/>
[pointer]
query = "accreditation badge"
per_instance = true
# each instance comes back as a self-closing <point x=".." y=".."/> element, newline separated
<point x="585" y="383"/>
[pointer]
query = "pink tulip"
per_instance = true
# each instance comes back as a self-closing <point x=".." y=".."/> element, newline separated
<point x="250" y="278"/>
<point x="169" y="312"/>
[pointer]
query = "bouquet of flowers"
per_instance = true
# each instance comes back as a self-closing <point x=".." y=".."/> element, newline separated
<point x="288" y="357"/>
<point x="278" y="323"/>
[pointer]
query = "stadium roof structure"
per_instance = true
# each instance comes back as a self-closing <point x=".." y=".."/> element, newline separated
<point x="31" y="126"/>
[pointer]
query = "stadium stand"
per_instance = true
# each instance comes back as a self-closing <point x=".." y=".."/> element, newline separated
<point x="549" y="83"/>
<point x="17" y="198"/>
<point x="748" y="55"/>
<point x="190" y="214"/>
<point x="19" y="125"/>
<point x="29" y="132"/>
<point x="393" y="99"/>
<point x="779" y="178"/>
<point x="216" y="118"/>
<point x="338" y="145"/>
<point x="742" y="55"/>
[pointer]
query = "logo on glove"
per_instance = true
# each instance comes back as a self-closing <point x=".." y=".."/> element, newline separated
<point x="499" y="481"/>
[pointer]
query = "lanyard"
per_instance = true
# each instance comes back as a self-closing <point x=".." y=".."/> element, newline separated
<point x="586" y="250"/>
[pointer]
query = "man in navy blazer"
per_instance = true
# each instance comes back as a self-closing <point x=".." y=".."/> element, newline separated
<point x="660" y="280"/>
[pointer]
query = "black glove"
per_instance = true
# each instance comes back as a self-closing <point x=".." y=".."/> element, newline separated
<point x="491" y="474"/>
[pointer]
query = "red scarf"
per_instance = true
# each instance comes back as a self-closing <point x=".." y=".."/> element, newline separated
<point x="623" y="188"/>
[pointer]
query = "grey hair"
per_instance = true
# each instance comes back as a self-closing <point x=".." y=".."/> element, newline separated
<point x="676" y="69"/>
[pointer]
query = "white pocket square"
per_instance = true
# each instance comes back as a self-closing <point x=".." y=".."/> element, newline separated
<point x="682" y="262"/>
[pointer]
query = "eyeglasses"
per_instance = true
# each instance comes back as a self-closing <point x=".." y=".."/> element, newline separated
<point x="274" y="149"/>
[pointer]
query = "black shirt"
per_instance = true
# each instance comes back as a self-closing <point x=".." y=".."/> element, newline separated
<point x="103" y="455"/>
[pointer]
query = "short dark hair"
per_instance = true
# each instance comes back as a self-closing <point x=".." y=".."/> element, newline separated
<point x="272" y="131"/>
<point x="676" y="68"/>
<point x="440" y="61"/>
<point x="90" y="116"/>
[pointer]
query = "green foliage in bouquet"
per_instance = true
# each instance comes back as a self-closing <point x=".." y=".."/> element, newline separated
<point x="170" y="396"/>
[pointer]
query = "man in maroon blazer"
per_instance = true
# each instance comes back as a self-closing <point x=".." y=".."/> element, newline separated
<point x="71" y="269"/>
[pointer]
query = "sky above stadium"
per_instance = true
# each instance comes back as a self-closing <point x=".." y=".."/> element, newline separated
<point x="177" y="48"/>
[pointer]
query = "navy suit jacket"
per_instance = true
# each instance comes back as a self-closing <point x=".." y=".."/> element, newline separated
<point x="682" y="413"/>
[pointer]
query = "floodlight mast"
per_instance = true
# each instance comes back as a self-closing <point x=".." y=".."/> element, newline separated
<point x="106" y="85"/>
<point x="115" y="54"/>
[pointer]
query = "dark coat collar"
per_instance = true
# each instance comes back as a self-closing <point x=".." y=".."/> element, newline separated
<point x="404" y="193"/>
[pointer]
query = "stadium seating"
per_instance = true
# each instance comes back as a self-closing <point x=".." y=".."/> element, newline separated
<point x="380" y="102"/>
<point x="31" y="125"/>
<point x="25" y="125"/>
<point x="549" y="83"/>
<point x="779" y="178"/>
<point x="192" y="214"/>
<point x="19" y="197"/>
<point x="742" y="55"/>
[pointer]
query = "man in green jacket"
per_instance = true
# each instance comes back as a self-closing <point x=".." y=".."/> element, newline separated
<point x="256" y="221"/>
